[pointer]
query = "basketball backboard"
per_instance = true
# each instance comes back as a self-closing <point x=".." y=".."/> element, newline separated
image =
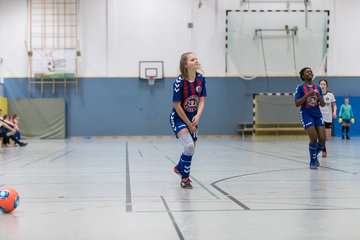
<point x="151" y="69"/>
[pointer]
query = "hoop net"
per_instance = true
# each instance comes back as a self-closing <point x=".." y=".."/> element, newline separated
<point x="151" y="80"/>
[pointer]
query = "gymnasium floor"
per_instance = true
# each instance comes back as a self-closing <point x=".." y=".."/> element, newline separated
<point x="244" y="188"/>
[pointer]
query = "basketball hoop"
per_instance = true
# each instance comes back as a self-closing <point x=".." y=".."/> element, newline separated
<point x="151" y="80"/>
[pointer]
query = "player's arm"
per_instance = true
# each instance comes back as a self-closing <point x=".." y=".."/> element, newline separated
<point x="320" y="98"/>
<point x="180" y="111"/>
<point x="16" y="127"/>
<point x="334" y="108"/>
<point x="8" y="124"/>
<point x="196" y="118"/>
<point x="341" y="111"/>
<point x="297" y="100"/>
<point x="302" y="100"/>
<point x="351" y="113"/>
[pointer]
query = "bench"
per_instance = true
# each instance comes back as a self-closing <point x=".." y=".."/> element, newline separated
<point x="279" y="129"/>
<point x="246" y="129"/>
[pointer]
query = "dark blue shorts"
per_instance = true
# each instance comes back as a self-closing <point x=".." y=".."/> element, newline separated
<point x="346" y="121"/>
<point x="311" y="119"/>
<point x="177" y="125"/>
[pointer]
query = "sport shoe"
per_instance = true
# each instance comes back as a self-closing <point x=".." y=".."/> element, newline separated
<point x="23" y="144"/>
<point x="317" y="163"/>
<point x="313" y="166"/>
<point x="347" y="137"/>
<point x="342" y="137"/>
<point x="8" y="134"/>
<point x="324" y="154"/>
<point x="177" y="171"/>
<point x="186" y="183"/>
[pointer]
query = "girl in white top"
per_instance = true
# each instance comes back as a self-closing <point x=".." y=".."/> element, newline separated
<point x="328" y="111"/>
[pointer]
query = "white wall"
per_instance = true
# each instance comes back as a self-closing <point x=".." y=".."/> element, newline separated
<point x="13" y="29"/>
<point x="346" y="38"/>
<point x="114" y="35"/>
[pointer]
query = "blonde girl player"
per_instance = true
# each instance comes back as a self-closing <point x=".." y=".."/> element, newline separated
<point x="308" y="97"/>
<point x="328" y="111"/>
<point x="189" y="92"/>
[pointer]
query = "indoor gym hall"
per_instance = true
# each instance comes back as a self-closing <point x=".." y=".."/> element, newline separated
<point x="92" y="82"/>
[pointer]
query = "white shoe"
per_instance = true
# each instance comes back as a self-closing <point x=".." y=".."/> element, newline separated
<point x="8" y="134"/>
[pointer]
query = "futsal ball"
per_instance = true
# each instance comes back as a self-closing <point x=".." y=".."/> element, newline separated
<point x="9" y="199"/>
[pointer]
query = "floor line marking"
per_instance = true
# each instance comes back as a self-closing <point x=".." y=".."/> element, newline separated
<point x="197" y="181"/>
<point x="128" y="188"/>
<point x="172" y="218"/>
<point x="235" y="200"/>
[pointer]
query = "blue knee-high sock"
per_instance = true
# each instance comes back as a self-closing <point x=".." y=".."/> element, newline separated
<point x="313" y="153"/>
<point x="181" y="163"/>
<point x="320" y="148"/>
<point x="184" y="165"/>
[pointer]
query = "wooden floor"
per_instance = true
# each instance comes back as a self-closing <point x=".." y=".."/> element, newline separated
<point x="244" y="188"/>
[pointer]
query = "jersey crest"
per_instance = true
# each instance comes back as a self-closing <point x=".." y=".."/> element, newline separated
<point x="191" y="103"/>
<point x="312" y="101"/>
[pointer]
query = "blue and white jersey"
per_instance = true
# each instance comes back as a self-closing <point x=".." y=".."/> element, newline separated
<point x="311" y="105"/>
<point x="189" y="94"/>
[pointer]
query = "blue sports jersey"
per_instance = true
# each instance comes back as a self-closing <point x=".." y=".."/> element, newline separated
<point x="311" y="105"/>
<point x="189" y="94"/>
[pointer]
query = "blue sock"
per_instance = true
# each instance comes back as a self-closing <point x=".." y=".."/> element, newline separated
<point x="184" y="165"/>
<point x="320" y="147"/>
<point x="313" y="150"/>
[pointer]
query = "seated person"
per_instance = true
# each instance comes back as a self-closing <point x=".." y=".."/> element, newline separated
<point x="15" y="121"/>
<point x="6" y="139"/>
<point x="7" y="130"/>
